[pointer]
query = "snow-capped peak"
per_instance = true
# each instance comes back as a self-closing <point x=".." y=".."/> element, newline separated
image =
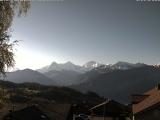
<point x="157" y="65"/>
<point x="69" y="66"/>
<point x="62" y="66"/>
<point x="91" y="64"/>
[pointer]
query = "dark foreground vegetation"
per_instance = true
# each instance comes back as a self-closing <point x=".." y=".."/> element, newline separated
<point x="14" y="97"/>
<point x="19" y="93"/>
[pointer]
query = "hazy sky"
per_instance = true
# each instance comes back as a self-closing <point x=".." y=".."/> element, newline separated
<point x="82" y="30"/>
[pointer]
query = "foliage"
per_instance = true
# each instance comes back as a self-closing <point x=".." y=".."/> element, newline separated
<point x="8" y="9"/>
<point x="26" y="92"/>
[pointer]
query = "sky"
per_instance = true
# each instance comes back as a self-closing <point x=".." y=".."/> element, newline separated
<point x="106" y="31"/>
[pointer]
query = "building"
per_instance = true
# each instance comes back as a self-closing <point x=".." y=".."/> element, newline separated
<point x="43" y="111"/>
<point x="28" y="113"/>
<point x="147" y="106"/>
<point x="110" y="110"/>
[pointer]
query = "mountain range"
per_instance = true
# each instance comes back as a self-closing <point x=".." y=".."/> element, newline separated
<point x="120" y="84"/>
<point x="69" y="66"/>
<point x="68" y="73"/>
<point x="116" y="81"/>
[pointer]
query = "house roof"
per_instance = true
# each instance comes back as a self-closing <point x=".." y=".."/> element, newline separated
<point x="52" y="111"/>
<point x="152" y="99"/>
<point x="137" y="98"/>
<point x="111" y="108"/>
<point x="28" y="113"/>
<point x="56" y="111"/>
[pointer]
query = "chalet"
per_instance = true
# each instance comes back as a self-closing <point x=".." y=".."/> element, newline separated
<point x="147" y="106"/>
<point x="28" y="113"/>
<point x="52" y="111"/>
<point x="110" y="110"/>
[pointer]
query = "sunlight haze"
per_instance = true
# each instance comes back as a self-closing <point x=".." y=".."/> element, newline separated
<point x="105" y="31"/>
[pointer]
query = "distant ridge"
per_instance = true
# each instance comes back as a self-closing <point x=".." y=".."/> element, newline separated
<point x="120" y="84"/>
<point x="28" y="75"/>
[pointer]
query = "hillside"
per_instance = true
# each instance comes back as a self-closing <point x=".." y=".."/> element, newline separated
<point x="50" y="99"/>
<point x="120" y="84"/>
<point x="27" y="92"/>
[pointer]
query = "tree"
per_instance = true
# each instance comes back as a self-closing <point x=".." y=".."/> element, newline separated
<point x="8" y="9"/>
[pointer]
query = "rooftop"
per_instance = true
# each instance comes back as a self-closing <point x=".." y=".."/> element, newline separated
<point x="152" y="99"/>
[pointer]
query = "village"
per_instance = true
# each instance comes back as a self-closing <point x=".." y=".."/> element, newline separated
<point x="142" y="107"/>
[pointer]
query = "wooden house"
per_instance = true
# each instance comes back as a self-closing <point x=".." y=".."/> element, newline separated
<point x="28" y="113"/>
<point x="147" y="106"/>
<point x="110" y="110"/>
<point x="52" y="111"/>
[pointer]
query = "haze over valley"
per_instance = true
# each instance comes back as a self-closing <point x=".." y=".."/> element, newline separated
<point x="94" y="76"/>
